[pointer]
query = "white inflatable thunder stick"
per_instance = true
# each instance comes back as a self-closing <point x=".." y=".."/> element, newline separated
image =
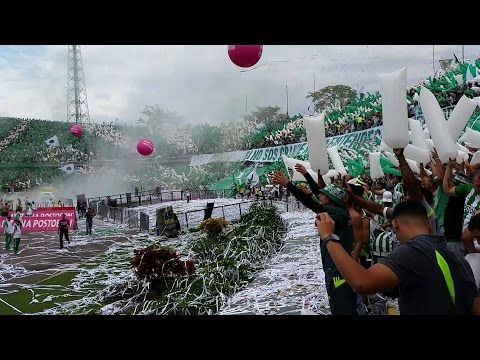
<point x="336" y="160"/>
<point x="376" y="171"/>
<point x="394" y="108"/>
<point x="460" y="115"/>
<point x="317" y="146"/>
<point x="444" y="144"/>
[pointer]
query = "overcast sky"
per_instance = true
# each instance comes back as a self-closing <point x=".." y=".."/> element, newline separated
<point x="198" y="82"/>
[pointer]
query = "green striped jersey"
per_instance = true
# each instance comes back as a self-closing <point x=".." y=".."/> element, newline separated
<point x="472" y="202"/>
<point x="382" y="245"/>
<point x="399" y="188"/>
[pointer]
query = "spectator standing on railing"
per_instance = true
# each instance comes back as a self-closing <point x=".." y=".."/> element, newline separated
<point x="89" y="215"/>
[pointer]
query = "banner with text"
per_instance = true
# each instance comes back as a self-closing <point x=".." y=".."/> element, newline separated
<point x="45" y="219"/>
<point x="353" y="140"/>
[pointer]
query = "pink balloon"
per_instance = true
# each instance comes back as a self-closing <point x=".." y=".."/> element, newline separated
<point x="76" y="130"/>
<point x="145" y="146"/>
<point x="245" y="55"/>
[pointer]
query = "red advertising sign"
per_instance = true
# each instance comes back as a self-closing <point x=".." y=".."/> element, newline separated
<point x="45" y="219"/>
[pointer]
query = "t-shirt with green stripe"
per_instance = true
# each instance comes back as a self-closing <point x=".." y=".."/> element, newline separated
<point x="472" y="202"/>
<point x="440" y="204"/>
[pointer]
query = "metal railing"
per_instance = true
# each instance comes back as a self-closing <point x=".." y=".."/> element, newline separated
<point x="149" y="197"/>
<point x="133" y="219"/>
<point x="194" y="218"/>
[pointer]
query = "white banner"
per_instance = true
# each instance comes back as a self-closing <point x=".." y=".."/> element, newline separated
<point x="232" y="156"/>
<point x="353" y="140"/>
<point x="272" y="154"/>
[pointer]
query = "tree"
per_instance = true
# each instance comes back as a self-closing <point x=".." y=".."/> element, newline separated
<point x="157" y="119"/>
<point x="336" y="95"/>
<point x="207" y="138"/>
<point x="266" y="115"/>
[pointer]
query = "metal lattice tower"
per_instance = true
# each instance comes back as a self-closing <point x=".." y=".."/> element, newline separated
<point x="77" y="104"/>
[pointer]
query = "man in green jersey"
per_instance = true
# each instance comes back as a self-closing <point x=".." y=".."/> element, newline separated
<point x="471" y="193"/>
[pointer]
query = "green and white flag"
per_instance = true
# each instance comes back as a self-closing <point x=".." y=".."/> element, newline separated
<point x="53" y="141"/>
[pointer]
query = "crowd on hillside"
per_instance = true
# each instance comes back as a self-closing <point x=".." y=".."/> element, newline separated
<point x="110" y="133"/>
<point x="62" y="154"/>
<point x="13" y="136"/>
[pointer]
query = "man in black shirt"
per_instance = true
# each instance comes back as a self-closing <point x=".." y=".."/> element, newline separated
<point x="89" y="220"/>
<point x="432" y="280"/>
<point x="342" y="300"/>
<point x="63" y="225"/>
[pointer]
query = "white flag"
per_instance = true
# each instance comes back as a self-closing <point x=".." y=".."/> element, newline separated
<point x="68" y="169"/>
<point x="53" y="141"/>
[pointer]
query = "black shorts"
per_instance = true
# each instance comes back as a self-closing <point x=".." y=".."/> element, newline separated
<point x="342" y="299"/>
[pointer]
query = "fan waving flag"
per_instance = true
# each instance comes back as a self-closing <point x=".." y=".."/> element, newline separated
<point x="53" y="141"/>
<point x="68" y="169"/>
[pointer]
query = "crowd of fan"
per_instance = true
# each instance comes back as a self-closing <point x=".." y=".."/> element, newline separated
<point x="13" y="135"/>
<point x="437" y="216"/>
<point x="110" y="133"/>
<point x="62" y="154"/>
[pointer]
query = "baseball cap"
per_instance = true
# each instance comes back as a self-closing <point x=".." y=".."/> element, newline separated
<point x="356" y="181"/>
<point x="387" y="197"/>
<point x="334" y="193"/>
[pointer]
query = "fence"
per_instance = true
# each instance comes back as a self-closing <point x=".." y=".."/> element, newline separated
<point x="149" y="197"/>
<point x="133" y="219"/>
<point x="233" y="212"/>
<point x="230" y="212"/>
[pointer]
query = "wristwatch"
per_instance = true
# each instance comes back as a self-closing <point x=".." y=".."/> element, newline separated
<point x="332" y="237"/>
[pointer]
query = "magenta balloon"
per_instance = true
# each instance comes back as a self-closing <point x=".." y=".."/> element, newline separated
<point x="245" y="55"/>
<point x="76" y="130"/>
<point x="145" y="147"/>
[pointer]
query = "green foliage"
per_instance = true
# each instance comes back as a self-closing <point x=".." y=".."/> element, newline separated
<point x="7" y="124"/>
<point x="207" y="138"/>
<point x="224" y="264"/>
<point x="213" y="226"/>
<point x="157" y="264"/>
<point x="336" y="95"/>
